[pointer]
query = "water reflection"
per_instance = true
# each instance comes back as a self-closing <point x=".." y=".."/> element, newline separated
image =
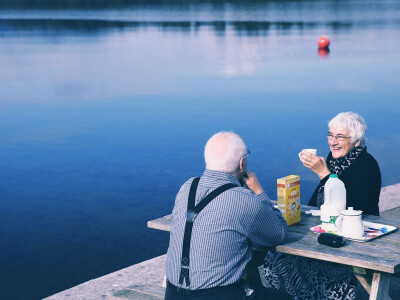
<point x="332" y="13"/>
<point x="247" y="28"/>
<point x="323" y="52"/>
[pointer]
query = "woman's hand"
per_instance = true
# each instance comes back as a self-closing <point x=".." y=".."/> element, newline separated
<point x="315" y="163"/>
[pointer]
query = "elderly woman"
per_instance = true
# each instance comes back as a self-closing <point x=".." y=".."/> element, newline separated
<point x="306" y="278"/>
<point x="350" y="160"/>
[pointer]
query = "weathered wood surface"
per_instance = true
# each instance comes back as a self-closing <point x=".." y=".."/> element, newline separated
<point x="163" y="223"/>
<point x="382" y="254"/>
<point x="142" y="292"/>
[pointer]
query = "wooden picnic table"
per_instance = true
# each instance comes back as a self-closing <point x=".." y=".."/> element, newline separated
<point x="373" y="262"/>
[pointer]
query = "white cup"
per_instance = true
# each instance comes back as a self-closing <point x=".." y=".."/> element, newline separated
<point x="312" y="151"/>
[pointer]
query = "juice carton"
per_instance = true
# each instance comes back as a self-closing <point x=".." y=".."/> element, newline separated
<point x="289" y="198"/>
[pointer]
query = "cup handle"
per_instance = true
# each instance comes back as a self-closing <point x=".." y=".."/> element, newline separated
<point x="338" y="225"/>
<point x="300" y="154"/>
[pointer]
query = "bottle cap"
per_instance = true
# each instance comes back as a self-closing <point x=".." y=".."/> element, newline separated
<point x="333" y="176"/>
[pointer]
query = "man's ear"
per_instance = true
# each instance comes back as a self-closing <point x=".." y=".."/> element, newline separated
<point x="241" y="164"/>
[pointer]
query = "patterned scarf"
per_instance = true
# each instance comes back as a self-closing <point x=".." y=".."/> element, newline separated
<point x="338" y="165"/>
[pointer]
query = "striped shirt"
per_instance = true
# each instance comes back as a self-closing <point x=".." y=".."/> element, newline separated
<point x="223" y="232"/>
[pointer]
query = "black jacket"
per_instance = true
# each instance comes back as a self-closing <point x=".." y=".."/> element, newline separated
<point x="362" y="180"/>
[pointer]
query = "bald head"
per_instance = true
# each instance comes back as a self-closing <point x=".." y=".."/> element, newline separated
<point x="223" y="152"/>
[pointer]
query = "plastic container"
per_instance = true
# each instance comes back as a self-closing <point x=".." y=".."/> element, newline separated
<point x="335" y="192"/>
<point x="329" y="213"/>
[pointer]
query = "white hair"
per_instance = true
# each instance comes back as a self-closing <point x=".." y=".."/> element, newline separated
<point x="353" y="122"/>
<point x="223" y="152"/>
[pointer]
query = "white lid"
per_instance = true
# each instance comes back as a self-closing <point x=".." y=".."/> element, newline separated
<point x="351" y="212"/>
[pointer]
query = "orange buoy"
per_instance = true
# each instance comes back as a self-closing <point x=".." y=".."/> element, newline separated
<point x="323" y="42"/>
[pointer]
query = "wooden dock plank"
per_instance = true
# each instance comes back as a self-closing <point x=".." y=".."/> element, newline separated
<point x="142" y="292"/>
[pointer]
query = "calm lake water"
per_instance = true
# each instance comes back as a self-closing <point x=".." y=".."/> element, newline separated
<point x="105" y="110"/>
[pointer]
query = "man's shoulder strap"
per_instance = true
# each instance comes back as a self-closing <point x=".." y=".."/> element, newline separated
<point x="215" y="193"/>
<point x="192" y="193"/>
<point x="203" y="203"/>
<point x="191" y="214"/>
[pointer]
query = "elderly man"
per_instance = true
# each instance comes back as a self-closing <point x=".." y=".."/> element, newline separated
<point x="215" y="223"/>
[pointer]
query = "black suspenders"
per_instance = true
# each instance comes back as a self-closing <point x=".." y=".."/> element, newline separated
<point x="191" y="214"/>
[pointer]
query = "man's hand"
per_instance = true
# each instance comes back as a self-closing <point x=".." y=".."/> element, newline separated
<point x="252" y="183"/>
<point x="315" y="163"/>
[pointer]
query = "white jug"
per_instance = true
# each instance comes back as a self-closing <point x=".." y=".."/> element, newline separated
<point x="350" y="224"/>
<point x="335" y="192"/>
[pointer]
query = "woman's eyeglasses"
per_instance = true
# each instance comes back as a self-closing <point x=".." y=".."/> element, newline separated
<point x="339" y="137"/>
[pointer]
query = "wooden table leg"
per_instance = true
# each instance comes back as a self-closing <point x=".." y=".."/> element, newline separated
<point x="375" y="283"/>
<point x="365" y="282"/>
<point x="364" y="277"/>
<point x="380" y="286"/>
